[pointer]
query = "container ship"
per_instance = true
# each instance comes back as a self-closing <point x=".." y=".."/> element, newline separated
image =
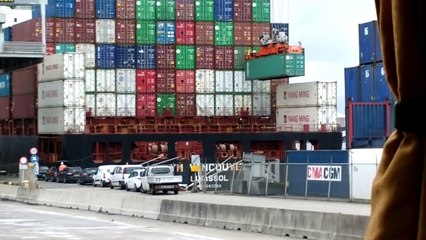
<point x="127" y="81"/>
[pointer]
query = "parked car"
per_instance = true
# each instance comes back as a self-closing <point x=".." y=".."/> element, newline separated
<point x="120" y="174"/>
<point x="42" y="170"/>
<point x="133" y="182"/>
<point x="69" y="174"/>
<point x="86" y="177"/>
<point x="103" y="175"/>
<point x="51" y="174"/>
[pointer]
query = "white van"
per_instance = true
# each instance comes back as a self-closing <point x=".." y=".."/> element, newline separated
<point x="103" y="175"/>
<point x="120" y="174"/>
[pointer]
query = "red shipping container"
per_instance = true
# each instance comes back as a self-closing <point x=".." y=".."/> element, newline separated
<point x="24" y="80"/>
<point x="185" y="105"/>
<point x="204" y="33"/>
<point x="50" y="48"/>
<point x="224" y="57"/>
<point x="185" y="81"/>
<point x="64" y="30"/>
<point x="166" y="56"/>
<point x="5" y="107"/>
<point x="185" y="32"/>
<point x="242" y="33"/>
<point x="205" y="57"/>
<point x="85" y="8"/>
<point x="30" y="30"/>
<point x="166" y="79"/>
<point x="185" y="10"/>
<point x="85" y="30"/>
<point x="242" y="10"/>
<point x="125" y="31"/>
<point x="125" y="9"/>
<point x="146" y="105"/>
<point x="146" y="80"/>
<point x="23" y="106"/>
<point x="257" y="30"/>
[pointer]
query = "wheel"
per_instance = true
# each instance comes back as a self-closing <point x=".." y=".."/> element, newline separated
<point x="137" y="189"/>
<point x="152" y="190"/>
<point x="110" y="185"/>
<point x="46" y="179"/>
<point x="80" y="182"/>
<point x="122" y="186"/>
<point x="103" y="183"/>
<point x="165" y="191"/>
<point x="127" y="188"/>
<point x="176" y="192"/>
<point x="64" y="180"/>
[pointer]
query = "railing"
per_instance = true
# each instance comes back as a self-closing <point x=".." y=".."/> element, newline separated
<point x="22" y="48"/>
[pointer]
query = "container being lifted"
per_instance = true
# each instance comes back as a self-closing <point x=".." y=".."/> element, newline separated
<point x="275" y="59"/>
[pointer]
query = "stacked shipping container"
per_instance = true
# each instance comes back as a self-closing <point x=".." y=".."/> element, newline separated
<point x="369" y="101"/>
<point x="161" y="57"/>
<point x="61" y="94"/>
<point x="310" y="106"/>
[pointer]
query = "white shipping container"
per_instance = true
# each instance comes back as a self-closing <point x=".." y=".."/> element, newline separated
<point x="106" y="104"/>
<point x="261" y="86"/>
<point x="105" y="80"/>
<point x="126" y="105"/>
<point x="306" y="119"/>
<point x="364" y="164"/>
<point x="261" y="104"/>
<point x="61" y="120"/>
<point x="242" y="103"/>
<point x="224" y="81"/>
<point x="307" y="94"/>
<point x="61" y="66"/>
<point x="240" y="83"/>
<point x="91" y="103"/>
<point x="224" y="105"/>
<point x="89" y="51"/>
<point x="61" y="93"/>
<point x="105" y="31"/>
<point x="204" y="81"/>
<point x="126" y="80"/>
<point x="205" y="104"/>
<point x="90" y="80"/>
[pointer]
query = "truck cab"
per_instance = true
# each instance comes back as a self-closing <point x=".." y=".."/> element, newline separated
<point x="160" y="178"/>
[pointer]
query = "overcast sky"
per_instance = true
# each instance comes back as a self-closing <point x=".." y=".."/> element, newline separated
<point x="328" y="30"/>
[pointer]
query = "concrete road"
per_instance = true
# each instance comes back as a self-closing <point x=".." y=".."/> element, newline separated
<point x="23" y="221"/>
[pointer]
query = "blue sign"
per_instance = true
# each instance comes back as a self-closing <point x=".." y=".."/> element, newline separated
<point x="34" y="158"/>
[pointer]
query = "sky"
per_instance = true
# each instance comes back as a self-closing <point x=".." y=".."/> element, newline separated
<point x="327" y="29"/>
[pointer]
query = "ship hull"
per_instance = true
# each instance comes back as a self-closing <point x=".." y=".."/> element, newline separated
<point x="79" y="148"/>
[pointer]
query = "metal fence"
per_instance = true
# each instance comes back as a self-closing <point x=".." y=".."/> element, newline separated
<point x="346" y="181"/>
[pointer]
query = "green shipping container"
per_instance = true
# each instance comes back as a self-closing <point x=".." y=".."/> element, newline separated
<point x="204" y="10"/>
<point x="64" y="47"/>
<point x="145" y="9"/>
<point x="261" y="11"/>
<point x="185" y="57"/>
<point x="166" y="104"/>
<point x="276" y="66"/>
<point x="165" y="9"/>
<point x="224" y="34"/>
<point x="145" y="32"/>
<point x="240" y="53"/>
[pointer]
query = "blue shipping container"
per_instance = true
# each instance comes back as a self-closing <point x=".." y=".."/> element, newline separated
<point x="320" y="173"/>
<point x="105" y="56"/>
<point x="7" y="34"/>
<point x="50" y="10"/>
<point x="381" y="87"/>
<point x="352" y="84"/>
<point x="65" y="8"/>
<point x="369" y="43"/>
<point x="224" y="10"/>
<point x="165" y="32"/>
<point x="282" y="29"/>
<point x="145" y="56"/>
<point x="367" y="83"/>
<point x="4" y="84"/>
<point x="105" y="9"/>
<point x="369" y="121"/>
<point x="125" y="56"/>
